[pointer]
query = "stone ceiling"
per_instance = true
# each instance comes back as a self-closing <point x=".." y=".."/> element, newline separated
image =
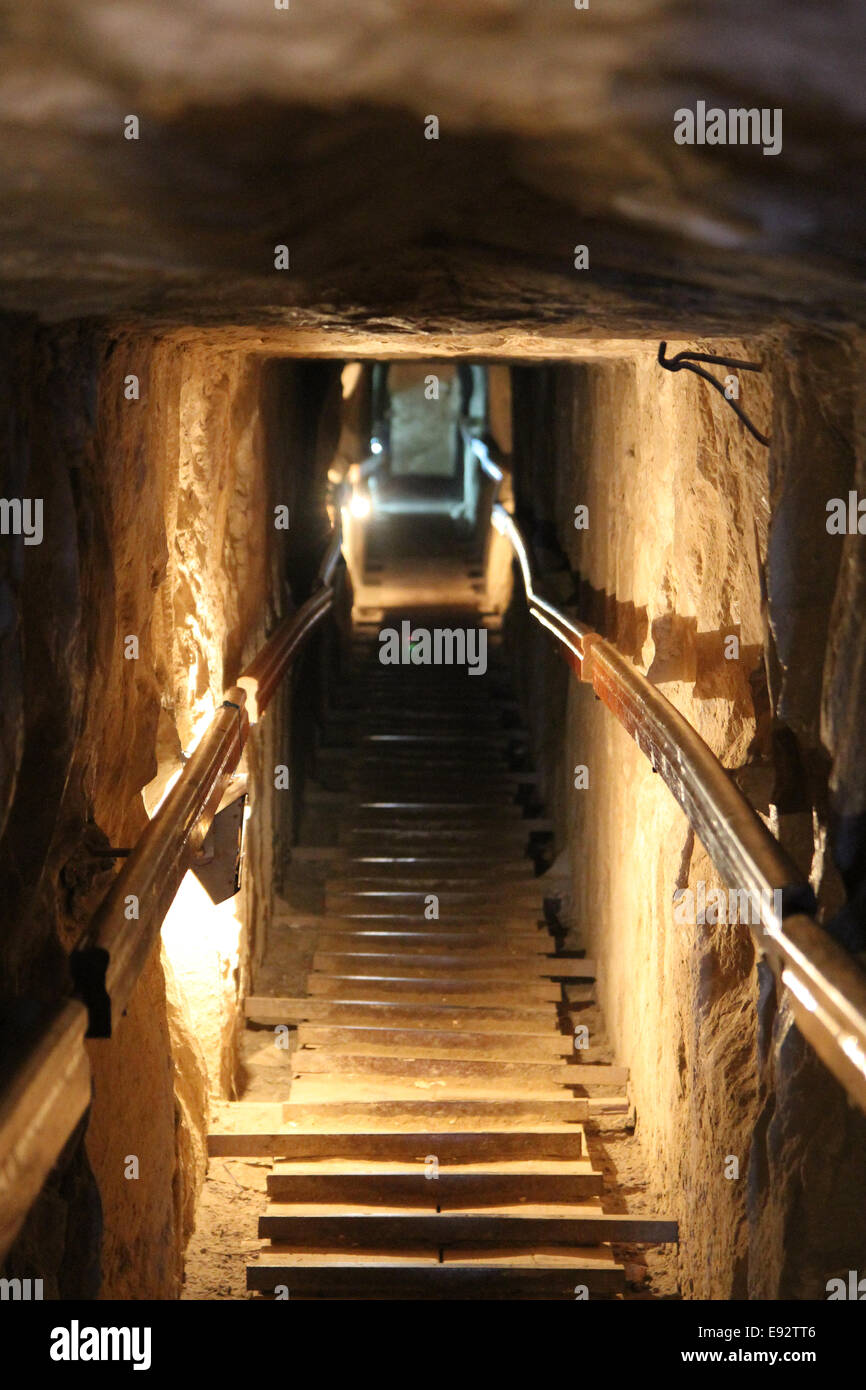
<point x="305" y="127"/>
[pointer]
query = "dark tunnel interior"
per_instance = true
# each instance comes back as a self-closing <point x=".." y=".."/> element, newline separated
<point x="432" y="587"/>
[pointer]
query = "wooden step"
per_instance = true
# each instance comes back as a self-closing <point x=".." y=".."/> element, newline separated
<point x="376" y="1180"/>
<point x="509" y="930"/>
<point x="479" y="946"/>
<point x="430" y="1042"/>
<point x="311" y="1089"/>
<point x="449" y="919"/>
<point x="414" y="901"/>
<point x="247" y="1137"/>
<point x="426" y="771"/>
<point x="308" y="1061"/>
<point x="403" y="900"/>
<point x="436" y="839"/>
<point x="433" y="989"/>
<point x="372" y="768"/>
<point x="325" y="1226"/>
<point x="484" y="740"/>
<point x="499" y="789"/>
<point x="486" y="1018"/>
<point x="430" y="1037"/>
<point x="422" y="866"/>
<point x="449" y="1191"/>
<point x="379" y="964"/>
<point x="497" y="885"/>
<point x="467" y="1274"/>
<point x="488" y="812"/>
<point x="330" y="1104"/>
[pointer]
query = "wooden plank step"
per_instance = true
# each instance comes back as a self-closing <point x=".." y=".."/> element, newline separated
<point x="486" y="1018"/>
<point x="476" y="1274"/>
<point x="489" y="729"/>
<point x="489" y="718"/>
<point x="449" y="919"/>
<point x="349" y="1181"/>
<point x="422" y="865"/>
<point x="432" y="990"/>
<point x="430" y="712"/>
<point x="425" y="768"/>
<point x="449" y="825"/>
<point x="379" y="964"/>
<point x="368" y="768"/>
<point x="479" y="946"/>
<point x="392" y="817"/>
<point x="415" y="896"/>
<point x="485" y="708"/>
<point x="453" y="861"/>
<point x="431" y="1042"/>
<point x="499" y="799"/>
<point x="437" y="838"/>
<point x="488" y="740"/>
<point x="402" y="885"/>
<point x="471" y="736"/>
<point x="509" y="930"/>
<point x="395" y="815"/>
<point x="414" y="902"/>
<point x="460" y="1175"/>
<point x="324" y="1226"/>
<point x="308" y="1061"/>
<point x="310" y="1089"/>
<point x="233" y="1138"/>
<point x="498" y="788"/>
<point x="453" y="852"/>
<point x="442" y="717"/>
<point x="436" y="692"/>
<point x="496" y="1050"/>
<point x="579" y="994"/>
<point x="329" y="1107"/>
<point x="451" y="909"/>
<point x="430" y="808"/>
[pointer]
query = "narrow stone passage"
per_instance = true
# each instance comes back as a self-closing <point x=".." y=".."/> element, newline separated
<point x="428" y="1127"/>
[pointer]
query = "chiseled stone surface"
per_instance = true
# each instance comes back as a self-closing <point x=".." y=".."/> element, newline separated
<point x="688" y="516"/>
<point x="305" y="127"/>
<point x="148" y="531"/>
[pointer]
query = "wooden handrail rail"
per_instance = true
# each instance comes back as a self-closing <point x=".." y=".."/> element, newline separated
<point x="827" y="988"/>
<point x="45" y="1097"/>
<point x="264" y="673"/>
<point x="128" y="921"/>
<point x="39" y="1109"/>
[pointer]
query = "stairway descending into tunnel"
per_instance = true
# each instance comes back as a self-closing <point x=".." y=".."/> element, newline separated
<point x="433" y="1142"/>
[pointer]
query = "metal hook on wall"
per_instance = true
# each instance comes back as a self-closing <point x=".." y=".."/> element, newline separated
<point x="686" y="361"/>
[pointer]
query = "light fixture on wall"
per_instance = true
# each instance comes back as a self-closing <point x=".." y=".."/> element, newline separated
<point x="219" y="862"/>
<point x="360" y="505"/>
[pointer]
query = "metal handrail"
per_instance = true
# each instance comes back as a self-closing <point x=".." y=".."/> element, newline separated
<point x="46" y="1096"/>
<point x="827" y="988"/>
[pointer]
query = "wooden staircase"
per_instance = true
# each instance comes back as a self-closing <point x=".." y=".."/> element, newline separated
<point x="432" y="1144"/>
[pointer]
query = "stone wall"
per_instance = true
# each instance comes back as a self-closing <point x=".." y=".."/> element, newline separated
<point x="683" y="506"/>
<point x="159" y="525"/>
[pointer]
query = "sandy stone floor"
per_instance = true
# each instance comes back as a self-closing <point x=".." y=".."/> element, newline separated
<point x="225" y="1231"/>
